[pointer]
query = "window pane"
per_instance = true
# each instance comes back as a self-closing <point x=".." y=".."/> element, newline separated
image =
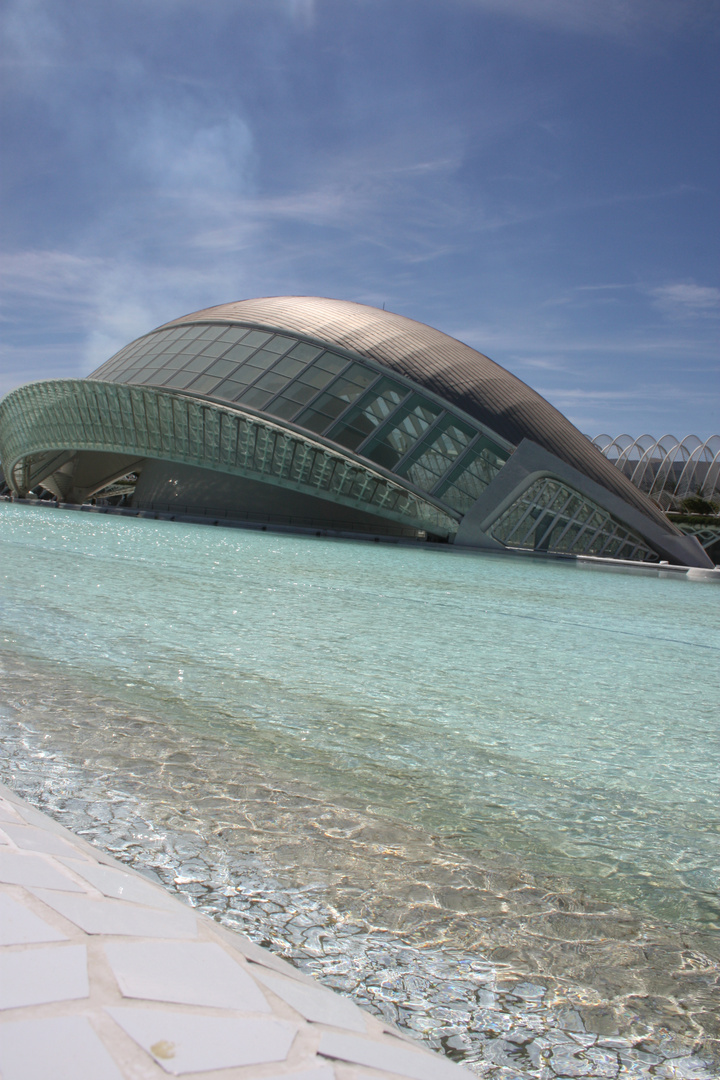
<point x="284" y="408"/>
<point x="289" y="367"/>
<point x="230" y="389"/>
<point x="272" y="382"/>
<point x="305" y="352"/>
<point x="210" y="333"/>
<point x="231" y="334"/>
<point x="192" y="332"/>
<point x="262" y="360"/>
<point x="179" y="379"/>
<point x="331" y="362"/>
<point x="197" y="363"/>
<point x="240" y="352"/>
<point x="204" y="384"/>
<point x="222" y="368"/>
<point x="313" y="376"/>
<point x="472" y="476"/>
<point x="255" y="398"/>
<point x="215" y="348"/>
<point x="394" y="444"/>
<point x="325" y="410"/>
<point x="256" y="338"/>
<point x="279" y="344"/>
<point x="436" y="453"/>
<point x="367" y="416"/>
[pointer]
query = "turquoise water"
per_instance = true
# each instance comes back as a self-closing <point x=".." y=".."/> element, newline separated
<point x="568" y="716"/>
<point x="404" y="711"/>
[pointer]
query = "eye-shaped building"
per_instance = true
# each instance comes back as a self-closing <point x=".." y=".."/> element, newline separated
<point x="331" y="415"/>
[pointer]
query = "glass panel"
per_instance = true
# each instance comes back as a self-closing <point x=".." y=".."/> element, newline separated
<point x="316" y="377"/>
<point x="255" y="398"/>
<point x="262" y="360"/>
<point x="210" y="333"/>
<point x="230" y="389"/>
<point x="549" y="516"/>
<point x="279" y="344"/>
<point x="197" y="363"/>
<point x="330" y="362"/>
<point x="204" y="384"/>
<point x="192" y="332"/>
<point x="292" y="400"/>
<point x="436" y="454"/>
<point x="222" y="368"/>
<point x="215" y="348"/>
<point x="472" y="476"/>
<point x="394" y="444"/>
<point x="305" y="352"/>
<point x="343" y="392"/>
<point x="256" y="338"/>
<point x="231" y="334"/>
<point x="240" y="352"/>
<point x="289" y="367"/>
<point x="368" y="414"/>
<point x="272" y="382"/>
<point x="284" y="408"/>
<point x="179" y="379"/>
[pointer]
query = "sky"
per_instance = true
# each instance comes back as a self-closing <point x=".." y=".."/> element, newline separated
<point x="538" y="178"/>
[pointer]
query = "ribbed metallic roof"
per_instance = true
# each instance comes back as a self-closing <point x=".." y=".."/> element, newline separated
<point x="456" y="372"/>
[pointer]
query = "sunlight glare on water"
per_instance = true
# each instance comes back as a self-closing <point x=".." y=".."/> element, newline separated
<point x="567" y="717"/>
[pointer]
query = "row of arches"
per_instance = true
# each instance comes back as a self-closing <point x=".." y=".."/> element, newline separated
<point x="667" y="469"/>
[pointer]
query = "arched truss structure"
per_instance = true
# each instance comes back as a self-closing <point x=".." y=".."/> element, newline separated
<point x="119" y="426"/>
<point x="667" y="469"/>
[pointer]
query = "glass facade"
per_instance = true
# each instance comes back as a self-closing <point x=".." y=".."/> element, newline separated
<point x="142" y="421"/>
<point x="344" y="400"/>
<point x="550" y="516"/>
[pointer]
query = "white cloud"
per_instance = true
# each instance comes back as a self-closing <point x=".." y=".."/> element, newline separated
<point x="606" y="17"/>
<point x="687" y="299"/>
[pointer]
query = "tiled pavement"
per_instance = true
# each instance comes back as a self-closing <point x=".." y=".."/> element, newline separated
<point x="104" y="975"/>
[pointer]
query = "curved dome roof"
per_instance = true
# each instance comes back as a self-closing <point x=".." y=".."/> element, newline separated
<point x="456" y="372"/>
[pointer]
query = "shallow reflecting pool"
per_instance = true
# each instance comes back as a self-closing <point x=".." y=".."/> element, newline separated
<point x="474" y="760"/>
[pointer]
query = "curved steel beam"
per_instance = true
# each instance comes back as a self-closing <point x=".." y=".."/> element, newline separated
<point x="148" y="422"/>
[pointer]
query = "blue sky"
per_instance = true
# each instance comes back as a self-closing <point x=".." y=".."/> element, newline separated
<point x="536" y="177"/>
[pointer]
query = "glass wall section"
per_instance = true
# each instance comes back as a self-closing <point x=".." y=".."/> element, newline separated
<point x="145" y="421"/>
<point x="550" y="516"/>
<point x="372" y="410"/>
<point x="436" y="452"/>
<point x="400" y="434"/>
<point x="472" y="474"/>
<point x="343" y="392"/>
<point x="346" y="401"/>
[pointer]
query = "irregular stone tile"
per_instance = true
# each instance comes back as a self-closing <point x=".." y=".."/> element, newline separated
<point x="120" y="886"/>
<point x="20" y="926"/>
<point x="322" y="1072"/>
<point x="183" y="1043"/>
<point x="37" y="976"/>
<point x="316" y="1003"/>
<point x="6" y="813"/>
<point x="33" y="872"/>
<point x="567" y="1061"/>
<point x="64" y="1048"/>
<point x="416" y="1064"/>
<point x="686" y="1068"/>
<point x="186" y="974"/>
<point x="31" y="839"/>
<point x="116" y="917"/>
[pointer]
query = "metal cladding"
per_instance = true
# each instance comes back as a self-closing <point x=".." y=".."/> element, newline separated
<point x="455" y="372"/>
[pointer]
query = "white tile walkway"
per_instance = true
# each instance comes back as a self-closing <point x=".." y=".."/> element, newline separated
<point x="104" y="976"/>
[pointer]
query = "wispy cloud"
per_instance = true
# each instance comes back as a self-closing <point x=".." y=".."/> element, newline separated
<point x="687" y="300"/>
<point x="605" y="17"/>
